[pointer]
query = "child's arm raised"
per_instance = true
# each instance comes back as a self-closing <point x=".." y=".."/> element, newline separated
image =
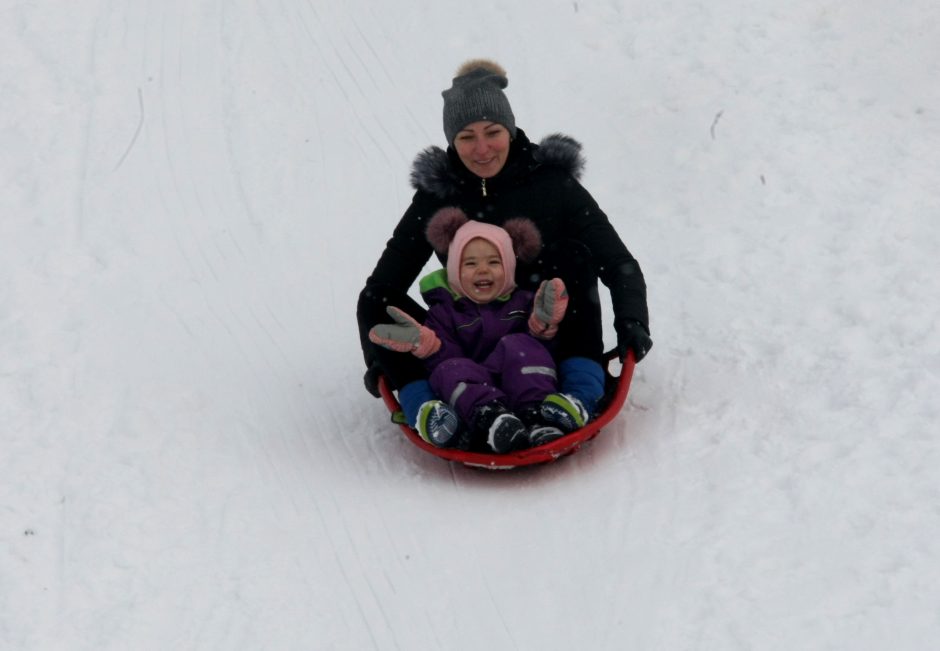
<point x="548" y="308"/>
<point x="405" y="335"/>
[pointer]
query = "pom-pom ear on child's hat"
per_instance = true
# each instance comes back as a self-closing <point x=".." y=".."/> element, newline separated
<point x="443" y="226"/>
<point x="526" y="239"/>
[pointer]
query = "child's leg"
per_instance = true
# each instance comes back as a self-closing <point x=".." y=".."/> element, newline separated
<point x="527" y="373"/>
<point x="471" y="390"/>
<point x="526" y="369"/>
<point x="464" y="385"/>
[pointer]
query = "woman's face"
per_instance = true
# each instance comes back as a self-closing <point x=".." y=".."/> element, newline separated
<point x="483" y="147"/>
<point x="481" y="270"/>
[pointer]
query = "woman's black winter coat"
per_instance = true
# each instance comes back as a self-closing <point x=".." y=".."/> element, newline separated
<point x="579" y="244"/>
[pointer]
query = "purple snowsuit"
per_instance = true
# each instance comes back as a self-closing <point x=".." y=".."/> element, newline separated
<point x="486" y="350"/>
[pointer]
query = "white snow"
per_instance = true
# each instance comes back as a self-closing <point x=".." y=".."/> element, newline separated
<point x="192" y="194"/>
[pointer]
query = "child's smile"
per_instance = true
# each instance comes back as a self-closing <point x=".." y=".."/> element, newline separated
<point x="481" y="270"/>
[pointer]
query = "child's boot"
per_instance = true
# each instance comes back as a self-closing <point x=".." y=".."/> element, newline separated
<point x="564" y="411"/>
<point x="540" y="433"/>
<point x="503" y="430"/>
<point x="437" y="424"/>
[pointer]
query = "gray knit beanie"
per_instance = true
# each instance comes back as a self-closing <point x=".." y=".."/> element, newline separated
<point x="476" y="94"/>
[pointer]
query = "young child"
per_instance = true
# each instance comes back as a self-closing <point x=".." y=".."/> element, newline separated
<point x="484" y="340"/>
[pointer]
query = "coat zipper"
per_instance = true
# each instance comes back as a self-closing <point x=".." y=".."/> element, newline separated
<point x="483" y="186"/>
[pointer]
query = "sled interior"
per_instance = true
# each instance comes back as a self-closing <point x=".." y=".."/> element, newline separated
<point x="617" y="387"/>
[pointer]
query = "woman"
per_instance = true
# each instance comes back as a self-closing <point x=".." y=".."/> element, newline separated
<point x="493" y="173"/>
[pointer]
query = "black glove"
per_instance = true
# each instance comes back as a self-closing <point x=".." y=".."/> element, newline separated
<point x="632" y="335"/>
<point x="371" y="379"/>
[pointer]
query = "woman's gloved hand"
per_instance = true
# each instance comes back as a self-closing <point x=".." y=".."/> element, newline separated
<point x="632" y="335"/>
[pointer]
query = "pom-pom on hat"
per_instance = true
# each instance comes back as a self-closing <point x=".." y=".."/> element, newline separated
<point x="449" y="231"/>
<point x="477" y="94"/>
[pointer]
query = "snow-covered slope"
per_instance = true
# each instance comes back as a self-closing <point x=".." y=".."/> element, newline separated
<point x="192" y="193"/>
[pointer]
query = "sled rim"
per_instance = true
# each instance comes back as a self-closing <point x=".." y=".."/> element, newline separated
<point x="548" y="452"/>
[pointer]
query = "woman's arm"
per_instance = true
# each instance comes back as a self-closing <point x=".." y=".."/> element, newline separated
<point x="401" y="261"/>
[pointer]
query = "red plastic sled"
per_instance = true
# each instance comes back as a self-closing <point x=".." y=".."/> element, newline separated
<point x="618" y="387"/>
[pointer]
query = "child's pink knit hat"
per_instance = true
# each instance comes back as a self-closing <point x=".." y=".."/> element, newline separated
<point x="449" y="230"/>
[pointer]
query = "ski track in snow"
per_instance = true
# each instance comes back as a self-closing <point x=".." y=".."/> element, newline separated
<point x="193" y="194"/>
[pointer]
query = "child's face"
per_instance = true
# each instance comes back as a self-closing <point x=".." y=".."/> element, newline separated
<point x="481" y="270"/>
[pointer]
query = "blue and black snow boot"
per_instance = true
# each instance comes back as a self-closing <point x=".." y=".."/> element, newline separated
<point x="565" y="412"/>
<point x="437" y="423"/>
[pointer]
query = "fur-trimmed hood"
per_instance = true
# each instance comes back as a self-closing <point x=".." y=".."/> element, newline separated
<point x="433" y="172"/>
